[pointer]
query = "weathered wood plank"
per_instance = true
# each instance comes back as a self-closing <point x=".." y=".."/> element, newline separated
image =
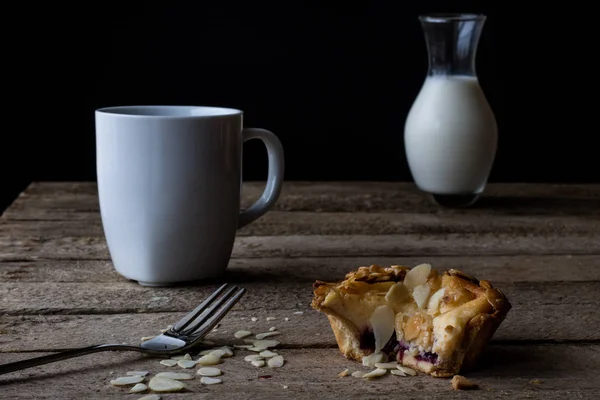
<point x="498" y="269"/>
<point x="541" y="311"/>
<point x="75" y="201"/>
<point x="329" y="246"/>
<point x="279" y="223"/>
<point x="515" y="372"/>
<point x="525" y="323"/>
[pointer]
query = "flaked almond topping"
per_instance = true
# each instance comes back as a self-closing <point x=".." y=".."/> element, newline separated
<point x="421" y="295"/>
<point x="382" y="321"/>
<point x="126" y="380"/>
<point x="397" y="293"/>
<point x="417" y="276"/>
<point x="434" y="301"/>
<point x="376" y="373"/>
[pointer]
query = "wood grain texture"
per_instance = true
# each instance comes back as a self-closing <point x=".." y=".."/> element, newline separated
<point x="94" y="248"/>
<point x="525" y="268"/>
<point x="506" y="371"/>
<point x="280" y="223"/>
<point x="58" y="200"/>
<point x="538" y="243"/>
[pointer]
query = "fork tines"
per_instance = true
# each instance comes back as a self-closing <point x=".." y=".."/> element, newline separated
<point x="203" y="318"/>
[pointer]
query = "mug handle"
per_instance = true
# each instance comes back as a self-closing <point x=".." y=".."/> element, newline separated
<point x="274" y="178"/>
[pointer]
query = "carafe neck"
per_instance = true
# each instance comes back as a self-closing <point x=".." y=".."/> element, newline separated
<point x="452" y="41"/>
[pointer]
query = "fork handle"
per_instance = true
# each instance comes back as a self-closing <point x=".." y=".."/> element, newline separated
<point x="64" y="355"/>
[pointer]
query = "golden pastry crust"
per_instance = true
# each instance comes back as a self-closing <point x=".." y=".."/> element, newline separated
<point x="443" y="322"/>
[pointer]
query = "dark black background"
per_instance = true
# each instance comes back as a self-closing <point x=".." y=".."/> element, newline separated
<point x="334" y="80"/>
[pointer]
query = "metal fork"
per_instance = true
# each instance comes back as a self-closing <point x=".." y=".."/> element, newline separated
<point x="182" y="336"/>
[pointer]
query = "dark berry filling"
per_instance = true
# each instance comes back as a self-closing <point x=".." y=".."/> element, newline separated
<point x="367" y="342"/>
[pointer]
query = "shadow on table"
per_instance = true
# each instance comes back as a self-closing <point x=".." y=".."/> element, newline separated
<point x="537" y="205"/>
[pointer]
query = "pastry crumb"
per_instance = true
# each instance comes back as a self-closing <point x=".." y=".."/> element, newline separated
<point x="459" y="382"/>
<point x="345" y="372"/>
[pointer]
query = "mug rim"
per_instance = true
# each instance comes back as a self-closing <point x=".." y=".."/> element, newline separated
<point x="169" y="111"/>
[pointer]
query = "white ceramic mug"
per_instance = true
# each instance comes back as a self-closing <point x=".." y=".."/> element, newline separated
<point x="169" y="186"/>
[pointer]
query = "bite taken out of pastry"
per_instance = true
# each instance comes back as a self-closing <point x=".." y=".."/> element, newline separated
<point x="437" y="323"/>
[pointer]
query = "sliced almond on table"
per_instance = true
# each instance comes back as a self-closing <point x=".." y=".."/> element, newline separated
<point x="126" y="380"/>
<point x="264" y="335"/>
<point x="267" y="354"/>
<point x="209" y="359"/>
<point x="186" y="363"/>
<point x="375" y="373"/>
<point x="178" y="376"/>
<point x="272" y="329"/>
<point x="139" y="387"/>
<point x="242" y="334"/>
<point x="253" y="319"/>
<point x="182" y="357"/>
<point x="397" y="372"/>
<point x="374" y="358"/>
<point x="271" y="318"/>
<point x="388" y="365"/>
<point x="406" y="370"/>
<point x="275" y="362"/>
<point x="209" y="381"/>
<point x="345" y="372"/>
<point x="169" y="363"/>
<point x="137" y="373"/>
<point x="209" y="371"/>
<point x="258" y="363"/>
<point x="150" y="397"/>
<point x="160" y="384"/>
<point x="265" y="343"/>
<point x="358" y="374"/>
<point x="253" y="357"/>
<point x="242" y="346"/>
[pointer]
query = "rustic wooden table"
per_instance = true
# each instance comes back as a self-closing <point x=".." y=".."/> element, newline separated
<point x="540" y="244"/>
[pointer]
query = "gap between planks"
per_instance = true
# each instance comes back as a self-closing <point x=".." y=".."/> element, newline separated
<point x="516" y="372"/>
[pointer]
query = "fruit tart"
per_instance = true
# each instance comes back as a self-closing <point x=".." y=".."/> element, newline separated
<point x="437" y="323"/>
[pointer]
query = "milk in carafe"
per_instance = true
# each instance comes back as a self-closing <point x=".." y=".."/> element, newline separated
<point x="450" y="133"/>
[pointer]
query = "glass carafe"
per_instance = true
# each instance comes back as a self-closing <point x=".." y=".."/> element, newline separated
<point x="450" y="132"/>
